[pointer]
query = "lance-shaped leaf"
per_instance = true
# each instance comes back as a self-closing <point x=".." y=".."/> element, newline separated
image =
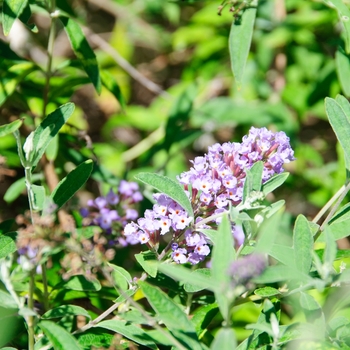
<point x="64" y="310"/>
<point x="337" y="112"/>
<point x="83" y="51"/>
<point x="223" y="255"/>
<point x="47" y="130"/>
<point x="303" y="244"/>
<point x="59" y="337"/>
<point x="172" y="316"/>
<point x="344" y="16"/>
<point x="274" y="182"/>
<point x="68" y="186"/>
<point x="10" y="128"/>
<point x="129" y="331"/>
<point x="11" y="10"/>
<point x="7" y="244"/>
<point x="171" y="188"/>
<point x="109" y="82"/>
<point x="342" y="63"/>
<point x="240" y="40"/>
<point x="180" y="273"/>
<point x="224" y="338"/>
<point x="253" y="180"/>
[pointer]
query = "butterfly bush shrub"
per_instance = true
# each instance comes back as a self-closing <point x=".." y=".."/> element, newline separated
<point x="213" y="264"/>
<point x="213" y="185"/>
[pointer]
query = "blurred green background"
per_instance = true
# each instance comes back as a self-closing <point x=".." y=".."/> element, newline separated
<point x="296" y="60"/>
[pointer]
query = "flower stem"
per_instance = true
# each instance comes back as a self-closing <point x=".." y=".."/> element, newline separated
<point x="340" y="195"/>
<point x="30" y="322"/>
<point x="46" y="292"/>
<point x="50" y="47"/>
<point x="328" y="205"/>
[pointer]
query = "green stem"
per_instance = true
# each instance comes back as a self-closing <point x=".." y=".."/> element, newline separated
<point x="46" y="291"/>
<point x="50" y="47"/>
<point x="328" y="205"/>
<point x="31" y="340"/>
<point x="344" y="192"/>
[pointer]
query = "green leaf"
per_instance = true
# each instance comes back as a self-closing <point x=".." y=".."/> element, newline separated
<point x="223" y="338"/>
<point x="83" y="51"/>
<point x="68" y="186"/>
<point x="341" y="126"/>
<point x="10" y="128"/>
<point x="280" y="273"/>
<point x="191" y="287"/>
<point x="303" y="244"/>
<point x="121" y="277"/>
<point x="344" y="16"/>
<point x="222" y="256"/>
<point x="18" y="187"/>
<point x="313" y="311"/>
<point x="88" y="231"/>
<point x="274" y="182"/>
<point x="6" y="300"/>
<point x="148" y="262"/>
<point x="253" y="180"/>
<point x="203" y="316"/>
<point x="342" y="62"/>
<point x="283" y="254"/>
<point x="171" y="314"/>
<point x="240" y="40"/>
<point x="339" y="224"/>
<point x="52" y="149"/>
<point x="14" y="75"/>
<point x="266" y="292"/>
<point x="38" y="197"/>
<point x="25" y="16"/>
<point x="48" y="129"/>
<point x="129" y="331"/>
<point x="171" y="188"/>
<point x="81" y="283"/>
<point x="268" y="233"/>
<point x="10" y="11"/>
<point x="183" y="274"/>
<point x="7" y="244"/>
<point x="95" y="338"/>
<point x="211" y="234"/>
<point x="64" y="310"/>
<point x="109" y="82"/>
<point x="58" y="336"/>
<point x="330" y="252"/>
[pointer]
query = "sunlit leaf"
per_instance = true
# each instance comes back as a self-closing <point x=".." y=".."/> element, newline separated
<point x="171" y="188"/>
<point x="58" y="336"/>
<point x="148" y="262"/>
<point x="64" y="310"/>
<point x="7" y="244"/>
<point x="240" y="40"/>
<point x="129" y="331"/>
<point x="302" y="244"/>
<point x="10" y="128"/>
<point x="83" y="51"/>
<point x="68" y="186"/>
<point x="48" y="129"/>
<point x="10" y="11"/>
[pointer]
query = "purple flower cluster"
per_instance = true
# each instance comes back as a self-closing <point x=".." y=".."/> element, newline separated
<point x="214" y="182"/>
<point x="113" y="211"/>
<point x="219" y="176"/>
